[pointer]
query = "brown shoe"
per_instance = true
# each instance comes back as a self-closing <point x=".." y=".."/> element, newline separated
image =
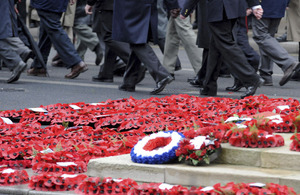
<point x="41" y="72"/>
<point x="76" y="70"/>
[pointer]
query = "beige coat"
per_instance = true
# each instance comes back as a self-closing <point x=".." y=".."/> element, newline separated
<point x="293" y="21"/>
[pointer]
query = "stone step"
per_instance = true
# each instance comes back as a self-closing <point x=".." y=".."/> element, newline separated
<point x="276" y="165"/>
<point x="186" y="175"/>
<point x="277" y="158"/>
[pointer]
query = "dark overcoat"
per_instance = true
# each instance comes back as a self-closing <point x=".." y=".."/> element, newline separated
<point x="8" y="27"/>
<point x="50" y="5"/>
<point x="274" y="9"/>
<point x="135" y="20"/>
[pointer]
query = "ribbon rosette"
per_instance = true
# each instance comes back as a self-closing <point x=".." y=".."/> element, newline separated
<point x="158" y="148"/>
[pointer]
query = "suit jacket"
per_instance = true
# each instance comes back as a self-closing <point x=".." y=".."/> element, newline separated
<point x="133" y="20"/>
<point x="218" y="10"/>
<point x="101" y="4"/>
<point x="8" y="26"/>
<point x="274" y="9"/>
<point x="53" y="5"/>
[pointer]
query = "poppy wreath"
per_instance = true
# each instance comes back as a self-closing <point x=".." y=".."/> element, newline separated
<point x="66" y="167"/>
<point x="157" y="148"/>
<point x="107" y="185"/>
<point x="17" y="164"/>
<point x="158" y="188"/>
<point x="13" y="177"/>
<point x="295" y="144"/>
<point x="244" y="188"/>
<point x="199" y="150"/>
<point x="253" y="138"/>
<point x="55" y="181"/>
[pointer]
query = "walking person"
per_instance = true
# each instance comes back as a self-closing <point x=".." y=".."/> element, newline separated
<point x="222" y="16"/>
<point x="181" y="31"/>
<point x="102" y="25"/>
<point x="8" y="29"/>
<point x="51" y="32"/>
<point x="135" y="22"/>
<point x="270" y="50"/>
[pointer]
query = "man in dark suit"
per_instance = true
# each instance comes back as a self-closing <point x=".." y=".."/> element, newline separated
<point x="134" y="21"/>
<point x="271" y="51"/>
<point x="222" y="16"/>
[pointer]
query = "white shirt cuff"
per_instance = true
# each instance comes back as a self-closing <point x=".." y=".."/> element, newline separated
<point x="256" y="7"/>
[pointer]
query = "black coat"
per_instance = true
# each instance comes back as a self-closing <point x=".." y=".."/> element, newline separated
<point x="215" y="8"/>
<point x="135" y="19"/>
<point x="8" y="27"/>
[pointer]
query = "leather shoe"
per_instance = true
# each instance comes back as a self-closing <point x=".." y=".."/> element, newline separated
<point x="76" y="70"/>
<point x="41" y="72"/>
<point x="282" y="38"/>
<point x="58" y="63"/>
<point x="99" y="55"/>
<point x="162" y="84"/>
<point x="127" y="88"/>
<point x="17" y="72"/>
<point x="102" y="79"/>
<point x="252" y="89"/>
<point x="205" y="91"/>
<point x="236" y="86"/>
<point x="289" y="73"/>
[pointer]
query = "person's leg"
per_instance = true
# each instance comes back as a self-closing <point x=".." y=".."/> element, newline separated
<point x="12" y="60"/>
<point x="59" y="38"/>
<point x="262" y="35"/>
<point x="86" y="38"/>
<point x="172" y="44"/>
<point x="188" y="39"/>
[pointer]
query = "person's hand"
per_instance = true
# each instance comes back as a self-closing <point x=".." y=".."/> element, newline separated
<point x="182" y="17"/>
<point x="88" y="9"/>
<point x="248" y="12"/>
<point x="258" y="12"/>
<point x="175" y="12"/>
<point x="72" y="2"/>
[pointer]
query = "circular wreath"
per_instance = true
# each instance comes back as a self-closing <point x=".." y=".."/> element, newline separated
<point x="157" y="148"/>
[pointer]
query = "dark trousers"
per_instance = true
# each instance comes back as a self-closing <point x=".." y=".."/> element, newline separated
<point x="223" y="44"/>
<point x="113" y="48"/>
<point x="51" y="32"/>
<point x="145" y="54"/>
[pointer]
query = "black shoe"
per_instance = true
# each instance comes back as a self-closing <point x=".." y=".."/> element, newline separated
<point x="196" y="83"/>
<point x="17" y="72"/>
<point x="289" y="73"/>
<point x="162" y="84"/>
<point x="296" y="76"/>
<point x="177" y="67"/>
<point x="252" y="89"/>
<point x="204" y="91"/>
<point x="236" y="86"/>
<point x="282" y="38"/>
<point x="126" y="88"/>
<point x="102" y="79"/>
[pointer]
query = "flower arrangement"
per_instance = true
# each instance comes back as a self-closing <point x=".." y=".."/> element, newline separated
<point x="198" y="150"/>
<point x="158" y="188"/>
<point x="157" y="148"/>
<point x="10" y="176"/>
<point x="107" y="185"/>
<point x="55" y="182"/>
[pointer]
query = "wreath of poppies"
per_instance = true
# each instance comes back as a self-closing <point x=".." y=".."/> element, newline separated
<point x="78" y="132"/>
<point x="55" y="181"/>
<point x="107" y="185"/>
<point x="157" y="148"/>
<point x="10" y="176"/>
